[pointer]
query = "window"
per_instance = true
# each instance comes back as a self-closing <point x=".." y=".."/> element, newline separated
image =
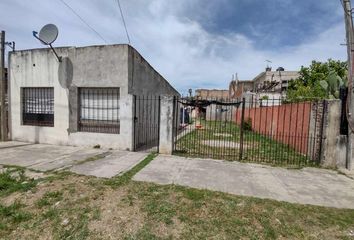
<point x="99" y="110"/>
<point x="38" y="106"/>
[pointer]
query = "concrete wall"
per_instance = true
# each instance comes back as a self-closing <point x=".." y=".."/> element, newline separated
<point x="166" y="125"/>
<point x="216" y="112"/>
<point x="144" y="79"/>
<point x="331" y="135"/>
<point x="95" y="66"/>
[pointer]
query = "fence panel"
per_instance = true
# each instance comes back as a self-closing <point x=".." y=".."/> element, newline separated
<point x="265" y="131"/>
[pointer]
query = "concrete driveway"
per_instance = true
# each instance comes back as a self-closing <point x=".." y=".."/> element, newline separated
<point x="81" y="160"/>
<point x="307" y="186"/>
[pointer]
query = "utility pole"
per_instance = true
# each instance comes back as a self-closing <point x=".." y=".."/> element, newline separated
<point x="350" y="104"/>
<point x="3" y="120"/>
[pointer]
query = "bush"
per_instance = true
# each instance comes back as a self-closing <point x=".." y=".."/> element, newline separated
<point x="247" y="125"/>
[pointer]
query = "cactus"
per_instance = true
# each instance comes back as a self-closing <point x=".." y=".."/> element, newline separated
<point x="332" y="84"/>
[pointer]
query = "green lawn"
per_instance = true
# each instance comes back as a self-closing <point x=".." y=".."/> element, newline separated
<point x="257" y="147"/>
<point x="67" y="206"/>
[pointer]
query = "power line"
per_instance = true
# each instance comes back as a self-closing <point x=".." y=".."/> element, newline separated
<point x="125" y="26"/>
<point x="83" y="20"/>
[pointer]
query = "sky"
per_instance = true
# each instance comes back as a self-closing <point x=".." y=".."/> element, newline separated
<point x="192" y="43"/>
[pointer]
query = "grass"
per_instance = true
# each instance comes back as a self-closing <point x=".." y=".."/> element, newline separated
<point x="257" y="147"/>
<point x="202" y="214"/>
<point x="68" y="206"/>
<point x="14" y="180"/>
<point x="50" y="198"/>
<point x="11" y="216"/>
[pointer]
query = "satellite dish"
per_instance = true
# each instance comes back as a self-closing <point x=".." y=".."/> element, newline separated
<point x="48" y="34"/>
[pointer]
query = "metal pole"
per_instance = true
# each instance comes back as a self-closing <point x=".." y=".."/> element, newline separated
<point x="350" y="104"/>
<point x="3" y="125"/>
<point x="241" y="130"/>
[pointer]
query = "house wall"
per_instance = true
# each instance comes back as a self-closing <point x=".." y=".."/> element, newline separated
<point x="212" y="94"/>
<point x="285" y="76"/>
<point x="146" y="83"/>
<point x="144" y="79"/>
<point x="95" y="66"/>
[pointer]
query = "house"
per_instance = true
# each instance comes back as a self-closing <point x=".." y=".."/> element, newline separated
<point x="236" y="90"/>
<point x="212" y="94"/>
<point x="86" y="99"/>
<point x="274" y="82"/>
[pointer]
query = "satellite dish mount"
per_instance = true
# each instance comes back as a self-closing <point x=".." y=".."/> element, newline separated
<point x="47" y="35"/>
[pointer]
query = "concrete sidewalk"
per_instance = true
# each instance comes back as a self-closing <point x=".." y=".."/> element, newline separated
<point x="81" y="160"/>
<point x="307" y="186"/>
<point x="116" y="163"/>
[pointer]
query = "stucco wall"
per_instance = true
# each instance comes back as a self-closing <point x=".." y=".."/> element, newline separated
<point x="95" y="66"/>
<point x="144" y="79"/>
<point x="331" y="150"/>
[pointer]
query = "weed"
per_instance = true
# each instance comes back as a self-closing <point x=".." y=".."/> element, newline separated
<point x="194" y="194"/>
<point x="50" y="198"/>
<point x="11" y="216"/>
<point x="51" y="213"/>
<point x="247" y="125"/>
<point x="96" y="214"/>
<point x="15" y="180"/>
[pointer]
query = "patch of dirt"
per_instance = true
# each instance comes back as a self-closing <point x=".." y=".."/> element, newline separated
<point x="116" y="218"/>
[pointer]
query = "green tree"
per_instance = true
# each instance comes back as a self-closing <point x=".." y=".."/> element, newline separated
<point x="319" y="80"/>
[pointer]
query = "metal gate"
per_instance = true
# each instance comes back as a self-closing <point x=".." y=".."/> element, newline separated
<point x="146" y="122"/>
<point x="269" y="131"/>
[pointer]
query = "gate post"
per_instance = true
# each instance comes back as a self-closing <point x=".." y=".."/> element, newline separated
<point x="241" y="129"/>
<point x="134" y="132"/>
<point x="330" y="155"/>
<point x="166" y="125"/>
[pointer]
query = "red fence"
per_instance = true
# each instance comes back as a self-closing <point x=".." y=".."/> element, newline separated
<point x="287" y="123"/>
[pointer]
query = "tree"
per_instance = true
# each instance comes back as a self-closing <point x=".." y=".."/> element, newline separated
<point x="319" y="80"/>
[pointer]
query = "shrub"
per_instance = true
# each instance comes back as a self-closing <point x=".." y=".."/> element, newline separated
<point x="247" y="125"/>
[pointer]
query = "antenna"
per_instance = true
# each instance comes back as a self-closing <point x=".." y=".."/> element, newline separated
<point x="11" y="45"/>
<point x="268" y="68"/>
<point x="47" y="35"/>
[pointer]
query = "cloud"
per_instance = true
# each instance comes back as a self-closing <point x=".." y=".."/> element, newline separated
<point x="176" y="37"/>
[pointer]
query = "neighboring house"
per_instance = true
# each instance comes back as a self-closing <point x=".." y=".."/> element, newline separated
<point x="212" y="94"/>
<point x="274" y="81"/>
<point x="86" y="99"/>
<point x="236" y="90"/>
<point x="268" y="86"/>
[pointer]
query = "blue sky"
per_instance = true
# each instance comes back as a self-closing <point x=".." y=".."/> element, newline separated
<point x="270" y="23"/>
<point x="193" y="43"/>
